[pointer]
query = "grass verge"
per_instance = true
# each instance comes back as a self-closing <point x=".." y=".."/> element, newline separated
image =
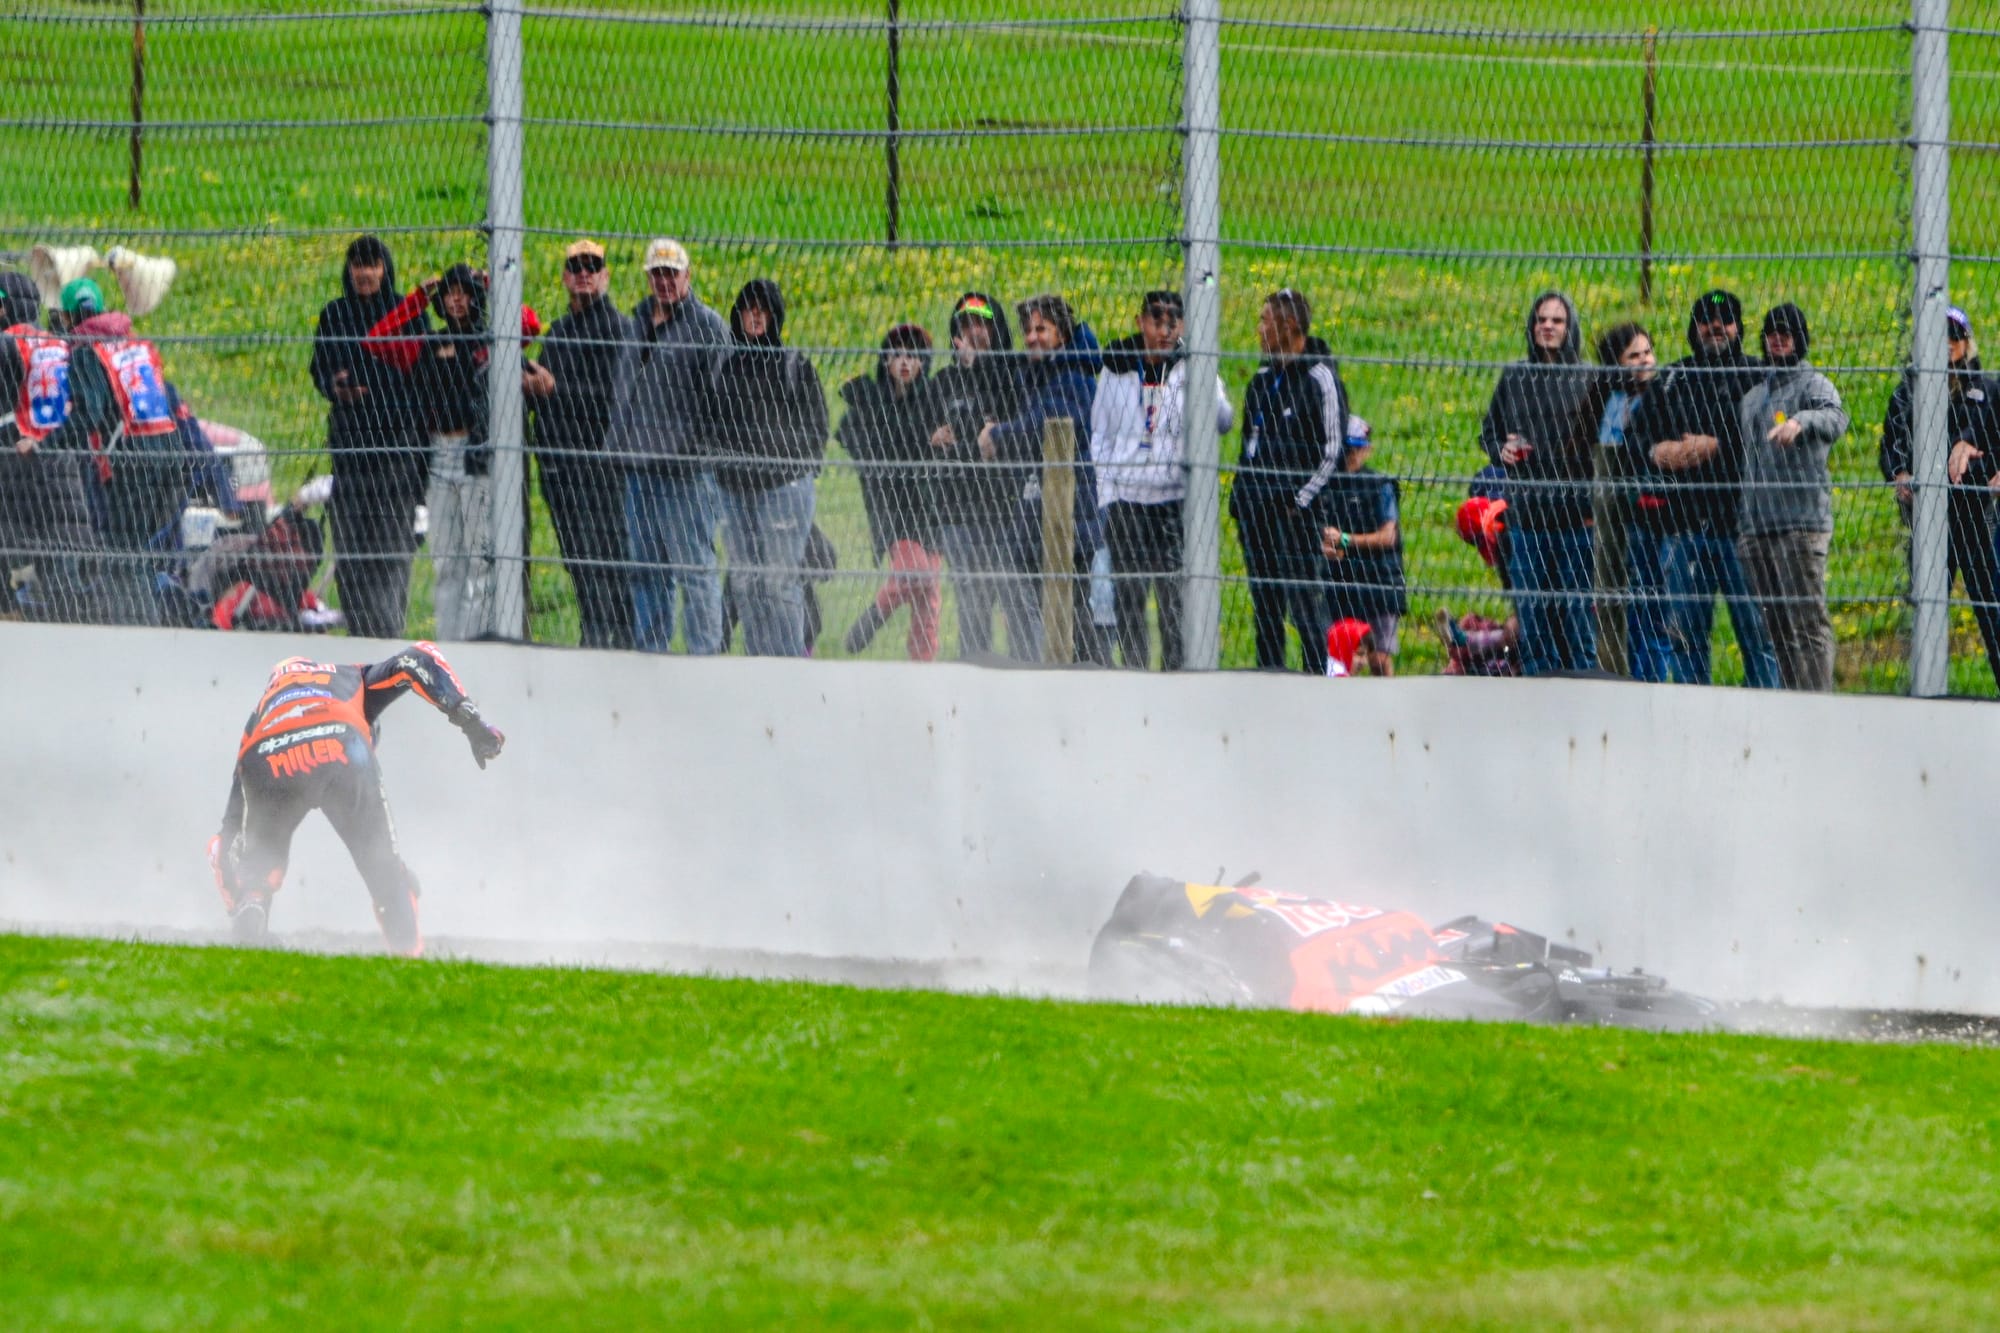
<point x="208" y="1137"/>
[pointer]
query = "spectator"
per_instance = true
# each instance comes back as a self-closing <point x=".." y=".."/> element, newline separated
<point x="1689" y="427"/>
<point x="1975" y="434"/>
<point x="1477" y="645"/>
<point x="979" y="498"/>
<point x="1295" y="415"/>
<point x="1136" y="439"/>
<point x="44" y="516"/>
<point x="1531" y="430"/>
<point x="124" y="418"/>
<point x="447" y="370"/>
<point x="1481" y="518"/>
<point x="887" y="430"/>
<point x="1059" y="380"/>
<point x="1632" y="622"/>
<point x="375" y="438"/>
<point x="672" y="505"/>
<point x="1347" y="641"/>
<point x="571" y="390"/>
<point x="767" y="433"/>
<point x="1790" y="420"/>
<point x="1362" y="540"/>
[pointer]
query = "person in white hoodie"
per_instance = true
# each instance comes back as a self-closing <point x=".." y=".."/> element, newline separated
<point x="1136" y="443"/>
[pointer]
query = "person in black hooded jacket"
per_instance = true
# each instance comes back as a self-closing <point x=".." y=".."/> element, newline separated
<point x="573" y="389"/>
<point x="1531" y="429"/>
<point x="1687" y="427"/>
<point x="1970" y="468"/>
<point x="887" y="430"/>
<point x="979" y="498"/>
<point x="766" y="429"/>
<point x="376" y="444"/>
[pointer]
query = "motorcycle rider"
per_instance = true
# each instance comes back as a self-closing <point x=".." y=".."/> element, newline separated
<point x="310" y="744"/>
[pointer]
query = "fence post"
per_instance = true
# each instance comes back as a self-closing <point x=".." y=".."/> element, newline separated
<point x="1930" y="228"/>
<point x="1201" y="296"/>
<point x="1649" y="95"/>
<point x="1058" y="541"/>
<point x="894" y="163"/>
<point x="138" y="100"/>
<point x="504" y="229"/>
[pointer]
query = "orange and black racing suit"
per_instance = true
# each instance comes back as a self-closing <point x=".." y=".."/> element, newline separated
<point x="310" y="744"/>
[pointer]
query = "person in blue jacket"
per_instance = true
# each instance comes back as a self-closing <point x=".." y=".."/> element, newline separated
<point x="1059" y="380"/>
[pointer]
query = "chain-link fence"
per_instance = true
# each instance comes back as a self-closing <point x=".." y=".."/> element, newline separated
<point x="855" y="180"/>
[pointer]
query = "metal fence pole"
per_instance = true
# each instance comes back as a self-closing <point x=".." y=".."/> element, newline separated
<point x="504" y="227"/>
<point x="1930" y="578"/>
<point x="1201" y="63"/>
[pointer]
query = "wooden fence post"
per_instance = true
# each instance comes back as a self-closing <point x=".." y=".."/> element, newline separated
<point x="1058" y="540"/>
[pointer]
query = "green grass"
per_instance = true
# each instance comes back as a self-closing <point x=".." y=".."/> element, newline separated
<point x="1099" y="210"/>
<point x="203" y="1138"/>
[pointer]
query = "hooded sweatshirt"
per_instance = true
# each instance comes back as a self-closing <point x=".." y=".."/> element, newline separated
<point x="359" y="432"/>
<point x="1698" y="395"/>
<point x="1137" y="432"/>
<point x="662" y="377"/>
<point x="1061" y="385"/>
<point x="1974" y="417"/>
<point x="1541" y="399"/>
<point x="973" y="491"/>
<point x="447" y="368"/>
<point x="766" y="412"/>
<point x="1788" y="487"/>
<point x="582" y="352"/>
<point x="889" y="433"/>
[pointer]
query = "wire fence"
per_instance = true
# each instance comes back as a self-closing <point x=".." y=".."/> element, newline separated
<point x="1407" y="179"/>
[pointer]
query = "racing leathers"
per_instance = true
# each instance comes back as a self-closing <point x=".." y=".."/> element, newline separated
<point x="310" y="744"/>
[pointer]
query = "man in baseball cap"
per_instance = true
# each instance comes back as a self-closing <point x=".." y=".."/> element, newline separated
<point x="1687" y="424"/>
<point x="1974" y="433"/>
<point x="672" y="505"/>
<point x="571" y="389"/>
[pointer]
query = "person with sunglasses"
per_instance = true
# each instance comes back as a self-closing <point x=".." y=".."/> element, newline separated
<point x="572" y="391"/>
<point x="1687" y="427"/>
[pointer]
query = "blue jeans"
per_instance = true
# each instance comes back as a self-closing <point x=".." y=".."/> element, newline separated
<point x="1699" y="567"/>
<point x="1550" y="570"/>
<point x="670" y="520"/>
<point x="765" y="533"/>
<point x="1647" y="643"/>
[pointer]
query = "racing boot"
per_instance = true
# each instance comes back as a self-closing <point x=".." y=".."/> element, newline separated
<point x="398" y="918"/>
<point x="250" y="923"/>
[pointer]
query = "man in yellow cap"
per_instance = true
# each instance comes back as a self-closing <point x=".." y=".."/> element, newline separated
<point x="571" y="391"/>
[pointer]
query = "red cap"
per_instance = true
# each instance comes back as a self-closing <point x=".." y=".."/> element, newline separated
<point x="1343" y="640"/>
<point x="1480" y="523"/>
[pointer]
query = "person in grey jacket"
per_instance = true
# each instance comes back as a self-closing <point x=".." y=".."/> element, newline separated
<point x="672" y="505"/>
<point x="1790" y="419"/>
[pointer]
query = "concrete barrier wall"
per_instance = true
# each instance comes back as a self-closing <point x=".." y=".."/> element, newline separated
<point x="1818" y="850"/>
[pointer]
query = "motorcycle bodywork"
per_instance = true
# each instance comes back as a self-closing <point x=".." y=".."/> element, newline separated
<point x="1170" y="941"/>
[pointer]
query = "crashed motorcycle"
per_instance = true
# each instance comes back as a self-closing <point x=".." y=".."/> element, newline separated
<point x="1171" y="941"/>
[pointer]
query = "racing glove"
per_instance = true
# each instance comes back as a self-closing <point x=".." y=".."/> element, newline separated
<point x="486" y="741"/>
